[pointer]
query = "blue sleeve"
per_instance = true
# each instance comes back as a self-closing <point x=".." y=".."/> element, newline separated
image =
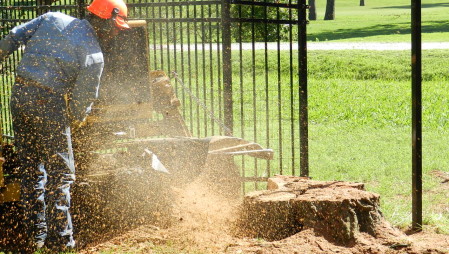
<point x="86" y="88"/>
<point x="19" y="35"/>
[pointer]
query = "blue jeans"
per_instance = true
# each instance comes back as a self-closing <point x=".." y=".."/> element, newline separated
<point x="43" y="143"/>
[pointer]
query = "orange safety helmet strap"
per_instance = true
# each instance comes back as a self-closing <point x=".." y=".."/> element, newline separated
<point x="110" y="9"/>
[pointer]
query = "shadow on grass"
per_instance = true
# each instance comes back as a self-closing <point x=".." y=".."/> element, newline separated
<point x="385" y="29"/>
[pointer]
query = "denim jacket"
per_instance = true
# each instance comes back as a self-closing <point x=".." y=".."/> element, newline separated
<point x="61" y="52"/>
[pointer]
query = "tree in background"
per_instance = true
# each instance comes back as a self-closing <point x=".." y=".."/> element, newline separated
<point x="312" y="10"/>
<point x="261" y="31"/>
<point x="330" y="10"/>
<point x="362" y="2"/>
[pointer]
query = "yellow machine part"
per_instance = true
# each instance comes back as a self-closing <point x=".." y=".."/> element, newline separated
<point x="133" y="97"/>
<point x="9" y="192"/>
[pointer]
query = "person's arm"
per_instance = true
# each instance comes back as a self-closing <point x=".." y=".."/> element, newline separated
<point x="86" y="88"/>
<point x="18" y="36"/>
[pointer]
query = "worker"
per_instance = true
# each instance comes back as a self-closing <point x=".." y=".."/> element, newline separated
<point x="56" y="85"/>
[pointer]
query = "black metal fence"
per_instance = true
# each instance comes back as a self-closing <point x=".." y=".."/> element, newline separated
<point x="236" y="66"/>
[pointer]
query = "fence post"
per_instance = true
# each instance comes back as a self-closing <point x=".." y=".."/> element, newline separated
<point x="303" y="108"/>
<point x="416" y="117"/>
<point x="227" y="66"/>
<point x="41" y="7"/>
<point x="81" y="9"/>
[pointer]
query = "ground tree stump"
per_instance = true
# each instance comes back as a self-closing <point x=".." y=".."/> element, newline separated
<point x="336" y="210"/>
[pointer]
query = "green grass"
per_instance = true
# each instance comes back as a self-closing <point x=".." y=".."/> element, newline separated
<point x="379" y="21"/>
<point x="359" y="117"/>
<point x="360" y="127"/>
<point x="359" y="122"/>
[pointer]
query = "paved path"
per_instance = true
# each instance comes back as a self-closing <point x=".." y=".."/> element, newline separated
<point x="310" y="46"/>
<point x="373" y="45"/>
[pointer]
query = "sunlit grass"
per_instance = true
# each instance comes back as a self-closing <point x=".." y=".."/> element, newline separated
<point x="382" y="21"/>
<point x="360" y="127"/>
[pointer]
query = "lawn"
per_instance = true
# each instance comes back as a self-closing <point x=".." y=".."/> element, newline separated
<point x="379" y="21"/>
<point x="360" y="105"/>
<point x="360" y="126"/>
<point x="359" y="122"/>
<point x="359" y="118"/>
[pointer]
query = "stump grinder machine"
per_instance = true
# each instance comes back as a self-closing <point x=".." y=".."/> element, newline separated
<point x="136" y="127"/>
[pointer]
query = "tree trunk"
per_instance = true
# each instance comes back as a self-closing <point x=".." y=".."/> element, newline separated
<point x="362" y="2"/>
<point x="312" y="10"/>
<point x="330" y="10"/>
<point x="338" y="211"/>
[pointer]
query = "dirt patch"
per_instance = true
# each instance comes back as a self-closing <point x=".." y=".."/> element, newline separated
<point x="444" y="176"/>
<point x="203" y="222"/>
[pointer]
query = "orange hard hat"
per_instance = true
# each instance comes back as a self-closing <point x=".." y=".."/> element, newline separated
<point x="110" y="9"/>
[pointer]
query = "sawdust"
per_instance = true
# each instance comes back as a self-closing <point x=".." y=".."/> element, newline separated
<point x="201" y="218"/>
<point x="204" y="223"/>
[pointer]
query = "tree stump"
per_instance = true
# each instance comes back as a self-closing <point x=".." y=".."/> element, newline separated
<point x="336" y="210"/>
